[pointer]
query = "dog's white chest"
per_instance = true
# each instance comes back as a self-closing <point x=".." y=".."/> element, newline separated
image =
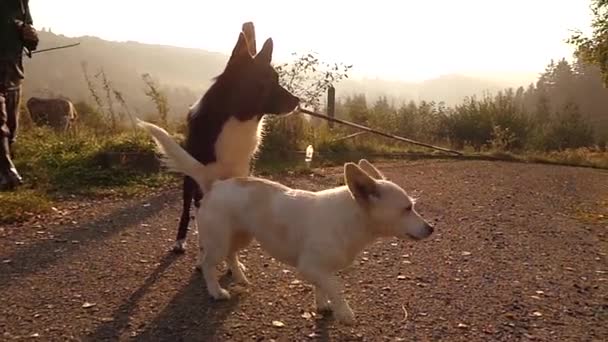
<point x="238" y="141"/>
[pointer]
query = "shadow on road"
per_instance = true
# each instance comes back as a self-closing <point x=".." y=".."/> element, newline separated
<point x="40" y="255"/>
<point x="322" y="325"/>
<point x="120" y="317"/>
<point x="191" y="315"/>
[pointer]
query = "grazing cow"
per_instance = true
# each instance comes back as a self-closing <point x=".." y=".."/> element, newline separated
<point x="55" y="112"/>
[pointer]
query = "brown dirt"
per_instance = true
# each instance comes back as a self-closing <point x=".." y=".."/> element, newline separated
<point x="520" y="253"/>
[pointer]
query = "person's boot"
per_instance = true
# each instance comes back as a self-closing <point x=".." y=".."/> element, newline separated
<point x="10" y="178"/>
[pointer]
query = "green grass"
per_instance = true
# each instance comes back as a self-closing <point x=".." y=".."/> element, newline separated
<point x="573" y="157"/>
<point x="54" y="165"/>
<point x="21" y="205"/>
<point x="581" y="157"/>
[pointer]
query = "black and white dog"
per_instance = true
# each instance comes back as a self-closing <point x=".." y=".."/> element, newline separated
<point x="225" y="125"/>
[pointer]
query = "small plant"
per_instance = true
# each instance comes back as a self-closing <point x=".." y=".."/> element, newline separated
<point x="107" y="87"/>
<point x="502" y="139"/>
<point x="158" y="97"/>
<point x="308" y="78"/>
<point x="91" y="87"/>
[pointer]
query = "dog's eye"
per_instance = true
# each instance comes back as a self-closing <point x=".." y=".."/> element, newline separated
<point x="407" y="209"/>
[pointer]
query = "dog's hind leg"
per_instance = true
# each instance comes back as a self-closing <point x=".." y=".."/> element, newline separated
<point x="213" y="249"/>
<point x="189" y="192"/>
<point x="237" y="269"/>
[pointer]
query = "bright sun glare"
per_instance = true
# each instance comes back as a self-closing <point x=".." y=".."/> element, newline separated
<point x="407" y="40"/>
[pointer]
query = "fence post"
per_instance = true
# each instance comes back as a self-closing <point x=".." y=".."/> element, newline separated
<point x="331" y="104"/>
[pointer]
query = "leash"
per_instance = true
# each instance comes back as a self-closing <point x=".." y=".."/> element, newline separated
<point x="371" y="130"/>
<point x="56" y="48"/>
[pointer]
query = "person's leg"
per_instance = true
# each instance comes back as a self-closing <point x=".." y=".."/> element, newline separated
<point x="10" y="178"/>
<point x="13" y="103"/>
<point x="4" y="131"/>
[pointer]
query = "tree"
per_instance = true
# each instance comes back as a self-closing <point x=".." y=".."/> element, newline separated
<point x="357" y="109"/>
<point x="308" y="78"/>
<point x="594" y="49"/>
<point x="592" y="97"/>
<point x="570" y="130"/>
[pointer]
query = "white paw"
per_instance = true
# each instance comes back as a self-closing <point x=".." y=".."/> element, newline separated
<point x="222" y="294"/>
<point x="243" y="280"/>
<point x="345" y="316"/>
<point x="180" y="246"/>
<point x="323" y="306"/>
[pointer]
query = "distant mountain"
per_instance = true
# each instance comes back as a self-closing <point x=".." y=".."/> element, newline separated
<point x="183" y="73"/>
<point x="186" y="73"/>
<point x="451" y="89"/>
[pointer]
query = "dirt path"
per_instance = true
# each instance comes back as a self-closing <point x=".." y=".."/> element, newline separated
<point x="520" y="253"/>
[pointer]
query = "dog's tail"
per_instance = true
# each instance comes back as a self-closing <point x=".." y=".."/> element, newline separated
<point x="175" y="158"/>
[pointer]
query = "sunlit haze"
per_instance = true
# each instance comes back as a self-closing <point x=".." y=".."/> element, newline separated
<point x="406" y="40"/>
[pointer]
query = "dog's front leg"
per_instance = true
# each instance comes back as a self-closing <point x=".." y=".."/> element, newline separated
<point x="213" y="286"/>
<point x="330" y="287"/>
<point x="321" y="300"/>
<point x="209" y="258"/>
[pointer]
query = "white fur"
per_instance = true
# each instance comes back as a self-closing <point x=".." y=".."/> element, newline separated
<point x="318" y="233"/>
<point x="236" y="145"/>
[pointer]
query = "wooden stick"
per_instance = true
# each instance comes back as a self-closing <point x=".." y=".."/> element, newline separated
<point x="350" y="136"/>
<point x="371" y="130"/>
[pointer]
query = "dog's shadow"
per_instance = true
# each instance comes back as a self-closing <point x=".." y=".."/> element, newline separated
<point x="322" y="325"/>
<point x="191" y="314"/>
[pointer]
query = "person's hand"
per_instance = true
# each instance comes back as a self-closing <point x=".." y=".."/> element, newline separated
<point x="29" y="33"/>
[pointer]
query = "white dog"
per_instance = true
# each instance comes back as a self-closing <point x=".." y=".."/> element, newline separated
<point x="318" y="233"/>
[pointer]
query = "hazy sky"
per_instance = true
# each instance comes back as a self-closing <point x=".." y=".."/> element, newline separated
<point x="400" y="39"/>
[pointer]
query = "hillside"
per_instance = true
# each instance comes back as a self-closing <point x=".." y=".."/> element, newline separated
<point x="186" y="73"/>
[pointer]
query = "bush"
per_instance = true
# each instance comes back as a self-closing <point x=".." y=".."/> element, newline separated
<point x="21" y="205"/>
<point x="57" y="162"/>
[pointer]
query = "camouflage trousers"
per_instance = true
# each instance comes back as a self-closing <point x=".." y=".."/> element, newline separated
<point x="11" y="76"/>
<point x="9" y="112"/>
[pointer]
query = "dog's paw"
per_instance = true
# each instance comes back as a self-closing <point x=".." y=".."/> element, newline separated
<point x="243" y="280"/>
<point x="345" y="316"/>
<point x="179" y="247"/>
<point x="221" y="294"/>
<point x="323" y="306"/>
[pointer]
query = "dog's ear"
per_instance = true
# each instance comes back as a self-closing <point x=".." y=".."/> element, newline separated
<point x="361" y="185"/>
<point x="241" y="49"/>
<point x="249" y="31"/>
<point x="265" y="55"/>
<point x="371" y="170"/>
